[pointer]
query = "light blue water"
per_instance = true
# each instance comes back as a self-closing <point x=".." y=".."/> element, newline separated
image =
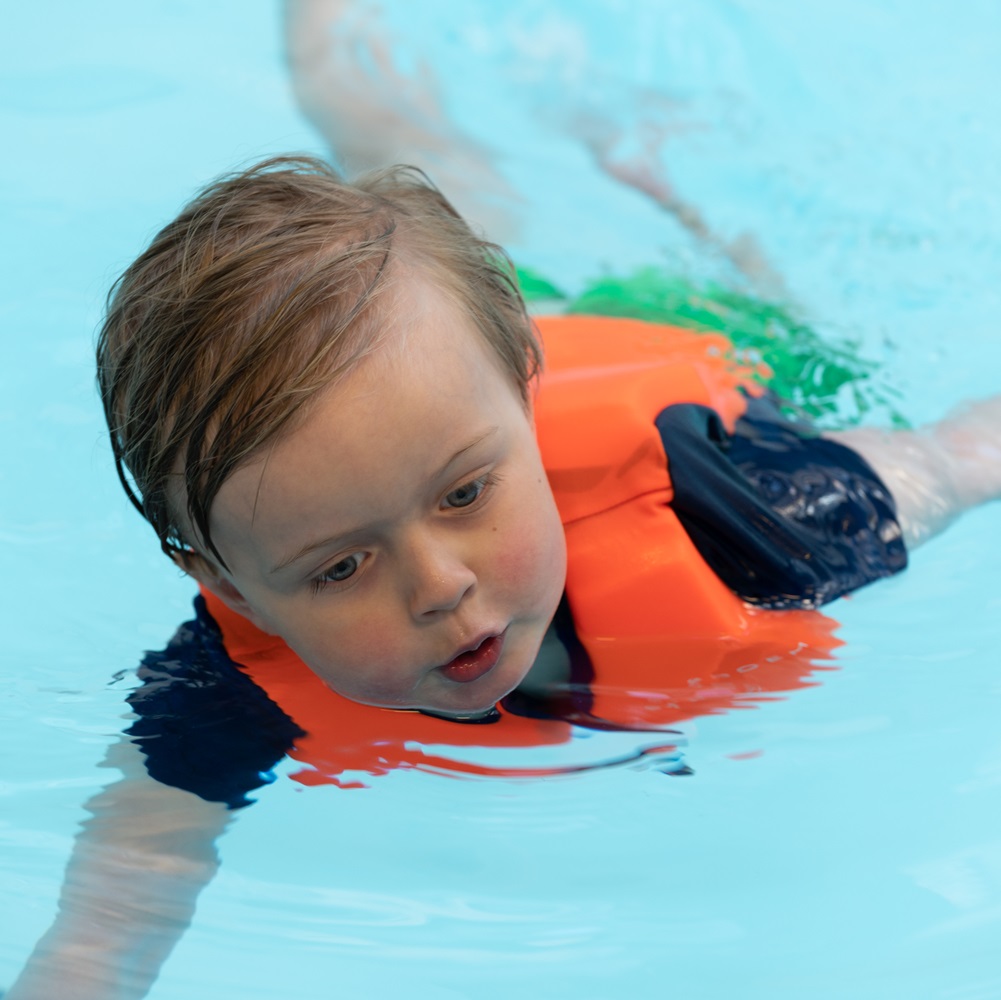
<point x="842" y="842"/>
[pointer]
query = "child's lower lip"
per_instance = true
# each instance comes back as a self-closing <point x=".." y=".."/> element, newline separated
<point x="472" y="665"/>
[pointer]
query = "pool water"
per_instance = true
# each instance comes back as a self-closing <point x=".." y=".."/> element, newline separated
<point x="842" y="841"/>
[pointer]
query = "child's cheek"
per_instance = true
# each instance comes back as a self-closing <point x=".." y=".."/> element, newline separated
<point x="368" y="670"/>
<point x="511" y="569"/>
<point x="364" y="648"/>
<point x="532" y="560"/>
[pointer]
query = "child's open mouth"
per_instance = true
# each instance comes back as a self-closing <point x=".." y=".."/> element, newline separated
<point x="474" y="663"/>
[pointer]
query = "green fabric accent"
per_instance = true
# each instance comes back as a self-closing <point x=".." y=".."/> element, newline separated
<point x="811" y="375"/>
<point x="535" y="288"/>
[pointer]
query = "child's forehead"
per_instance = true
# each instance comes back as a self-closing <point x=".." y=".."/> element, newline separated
<point x="423" y="351"/>
<point x="389" y="429"/>
<point x="422" y="324"/>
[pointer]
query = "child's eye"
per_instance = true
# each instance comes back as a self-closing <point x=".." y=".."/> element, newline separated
<point x="468" y="493"/>
<point x="342" y="570"/>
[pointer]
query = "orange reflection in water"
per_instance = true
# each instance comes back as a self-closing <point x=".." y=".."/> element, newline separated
<point x="645" y="685"/>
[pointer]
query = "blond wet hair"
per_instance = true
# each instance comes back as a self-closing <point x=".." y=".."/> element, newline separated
<point x="266" y="288"/>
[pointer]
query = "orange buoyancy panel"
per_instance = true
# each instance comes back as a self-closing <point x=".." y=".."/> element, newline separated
<point x="632" y="569"/>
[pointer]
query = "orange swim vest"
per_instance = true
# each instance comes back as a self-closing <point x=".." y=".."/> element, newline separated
<point x="667" y="640"/>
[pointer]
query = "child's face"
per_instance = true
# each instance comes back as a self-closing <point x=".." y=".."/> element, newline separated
<point x="405" y="524"/>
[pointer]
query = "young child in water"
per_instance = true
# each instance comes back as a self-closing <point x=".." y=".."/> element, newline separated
<point x="320" y="395"/>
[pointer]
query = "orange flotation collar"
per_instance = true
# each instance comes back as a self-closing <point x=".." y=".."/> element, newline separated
<point x="667" y="640"/>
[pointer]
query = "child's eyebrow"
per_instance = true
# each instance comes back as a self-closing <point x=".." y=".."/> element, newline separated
<point x="324" y="542"/>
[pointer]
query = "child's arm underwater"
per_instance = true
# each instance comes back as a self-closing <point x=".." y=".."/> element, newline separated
<point x="345" y="67"/>
<point x="343" y="60"/>
<point x="138" y="865"/>
<point x="936" y="472"/>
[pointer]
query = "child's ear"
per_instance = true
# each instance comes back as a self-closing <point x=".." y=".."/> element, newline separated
<point x="211" y="578"/>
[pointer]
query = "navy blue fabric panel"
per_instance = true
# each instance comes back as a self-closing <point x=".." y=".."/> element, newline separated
<point x="785" y="517"/>
<point x="203" y="724"/>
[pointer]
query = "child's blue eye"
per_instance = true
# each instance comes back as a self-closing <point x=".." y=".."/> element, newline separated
<point x="466" y="494"/>
<point x="343" y="569"/>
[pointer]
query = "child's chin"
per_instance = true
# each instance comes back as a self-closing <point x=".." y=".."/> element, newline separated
<point x="460" y="715"/>
<point x="472" y="709"/>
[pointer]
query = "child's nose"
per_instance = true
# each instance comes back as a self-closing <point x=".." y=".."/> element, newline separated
<point x="439" y="579"/>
